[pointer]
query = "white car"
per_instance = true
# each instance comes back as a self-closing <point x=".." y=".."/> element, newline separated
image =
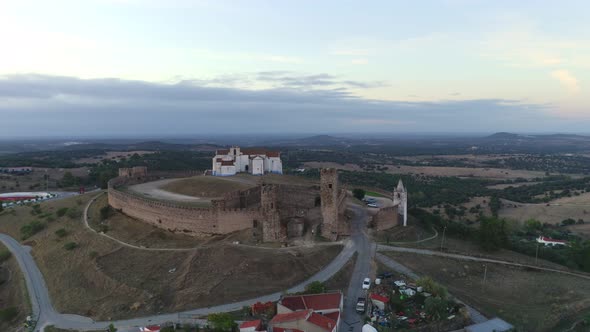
<point x="399" y="283"/>
<point x="366" y="283"/>
<point x="373" y="205"/>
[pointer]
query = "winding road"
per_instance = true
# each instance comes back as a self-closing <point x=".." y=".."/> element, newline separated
<point x="46" y="315"/>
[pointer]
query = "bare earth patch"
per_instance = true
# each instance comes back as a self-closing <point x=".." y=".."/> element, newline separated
<point x="103" y="280"/>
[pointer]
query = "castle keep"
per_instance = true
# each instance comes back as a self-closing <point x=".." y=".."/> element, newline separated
<point x="274" y="212"/>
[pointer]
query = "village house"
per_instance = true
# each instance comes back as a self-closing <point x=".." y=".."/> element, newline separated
<point x="234" y="160"/>
<point x="308" y="313"/>
<point x="547" y="241"/>
<point x="251" y="326"/>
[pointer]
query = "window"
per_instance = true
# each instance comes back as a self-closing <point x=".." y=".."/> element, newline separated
<point x="330" y="185"/>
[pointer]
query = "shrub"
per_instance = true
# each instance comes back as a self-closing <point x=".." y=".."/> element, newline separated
<point x="5" y="255"/>
<point x="31" y="229"/>
<point x="315" y="287"/>
<point x="74" y="213"/>
<point x="105" y="212"/>
<point x="61" y="232"/>
<point x="93" y="254"/>
<point x="62" y="212"/>
<point x="568" y="221"/>
<point x="8" y="314"/>
<point x="358" y="193"/>
<point x="222" y="321"/>
<point x="70" y="246"/>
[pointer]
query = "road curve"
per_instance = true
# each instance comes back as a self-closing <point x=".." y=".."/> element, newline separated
<point x="47" y="315"/>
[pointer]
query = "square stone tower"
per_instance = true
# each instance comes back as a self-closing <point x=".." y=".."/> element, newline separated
<point x="272" y="229"/>
<point x="329" y="194"/>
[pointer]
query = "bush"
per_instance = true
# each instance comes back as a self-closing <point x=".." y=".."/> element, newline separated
<point x="74" y="213"/>
<point x="222" y="321"/>
<point x="31" y="229"/>
<point x="62" y="212"/>
<point x="93" y="254"/>
<point x="358" y="193"/>
<point x="61" y="232"/>
<point x="315" y="287"/>
<point x="8" y="314"/>
<point x="5" y="255"/>
<point x="105" y="212"/>
<point x="568" y="221"/>
<point x="70" y="246"/>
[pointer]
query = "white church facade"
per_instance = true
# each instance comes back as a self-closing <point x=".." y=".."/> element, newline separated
<point x="400" y="199"/>
<point x="234" y="160"/>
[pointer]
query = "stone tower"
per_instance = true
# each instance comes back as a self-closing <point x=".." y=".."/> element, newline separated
<point x="329" y="200"/>
<point x="271" y="223"/>
<point x="400" y="198"/>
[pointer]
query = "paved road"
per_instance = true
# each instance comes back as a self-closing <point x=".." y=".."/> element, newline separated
<point x="477" y="259"/>
<point x="351" y="319"/>
<point x="43" y="308"/>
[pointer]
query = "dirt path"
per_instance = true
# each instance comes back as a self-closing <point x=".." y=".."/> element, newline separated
<point x="152" y="189"/>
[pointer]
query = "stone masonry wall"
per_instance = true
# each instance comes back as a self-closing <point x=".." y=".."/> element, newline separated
<point x="386" y="218"/>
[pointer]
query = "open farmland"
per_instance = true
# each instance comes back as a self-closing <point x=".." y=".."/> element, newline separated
<point x="475" y="172"/>
<point x="531" y="300"/>
<point x="552" y="213"/>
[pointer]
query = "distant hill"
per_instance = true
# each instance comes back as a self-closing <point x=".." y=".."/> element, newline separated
<point x="505" y="136"/>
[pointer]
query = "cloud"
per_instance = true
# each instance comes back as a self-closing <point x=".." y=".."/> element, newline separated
<point x="567" y="80"/>
<point x="359" y="61"/>
<point x="295" y="80"/>
<point x="58" y="105"/>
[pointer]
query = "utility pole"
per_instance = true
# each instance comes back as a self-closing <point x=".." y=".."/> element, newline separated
<point x="442" y="241"/>
<point x="485" y="274"/>
<point x="46" y="180"/>
<point x="537" y="254"/>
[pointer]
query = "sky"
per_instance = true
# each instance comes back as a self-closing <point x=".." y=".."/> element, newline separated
<point x="179" y="67"/>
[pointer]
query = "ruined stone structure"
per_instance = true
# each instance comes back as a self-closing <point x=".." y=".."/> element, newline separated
<point x="333" y="205"/>
<point x="274" y="212"/>
<point x="137" y="172"/>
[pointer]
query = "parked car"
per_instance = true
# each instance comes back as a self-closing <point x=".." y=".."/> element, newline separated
<point x="366" y="283"/>
<point x="385" y="275"/>
<point x="360" y="305"/>
<point x="373" y="205"/>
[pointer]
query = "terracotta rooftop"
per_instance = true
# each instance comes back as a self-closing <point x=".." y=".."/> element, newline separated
<point x="291" y="316"/>
<point x="333" y="315"/>
<point x="379" y="298"/>
<point x="284" y="329"/>
<point x="252" y="323"/>
<point x="313" y="301"/>
<point x="322" y="321"/>
<point x="548" y="239"/>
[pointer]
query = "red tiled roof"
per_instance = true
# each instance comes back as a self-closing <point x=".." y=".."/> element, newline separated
<point x="227" y="163"/>
<point x="313" y="301"/>
<point x="218" y="160"/>
<point x="548" y="239"/>
<point x="289" y="317"/>
<point x="333" y="315"/>
<point x="252" y="323"/>
<point x="322" y="321"/>
<point x="273" y="154"/>
<point x="223" y="151"/>
<point x="379" y="298"/>
<point x="155" y="328"/>
<point x="285" y="329"/>
<point x="254" y="151"/>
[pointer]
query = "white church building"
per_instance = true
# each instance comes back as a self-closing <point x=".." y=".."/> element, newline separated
<point x="231" y="161"/>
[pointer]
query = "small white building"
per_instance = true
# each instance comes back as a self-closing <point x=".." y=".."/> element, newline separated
<point x="547" y="241"/>
<point x="234" y="160"/>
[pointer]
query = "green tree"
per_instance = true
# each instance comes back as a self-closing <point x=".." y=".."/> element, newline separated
<point x="495" y="205"/>
<point x="436" y="309"/>
<point x="358" y="193"/>
<point x="8" y="314"/>
<point x="61" y="232"/>
<point x="493" y="234"/>
<point x="532" y="225"/>
<point x="1" y="208"/>
<point x="432" y="287"/>
<point x="222" y="321"/>
<point x="112" y="328"/>
<point x="5" y="255"/>
<point x="69" y="180"/>
<point x="70" y="246"/>
<point x="315" y="287"/>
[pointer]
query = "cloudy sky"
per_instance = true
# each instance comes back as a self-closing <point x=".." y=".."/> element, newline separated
<point x="178" y="67"/>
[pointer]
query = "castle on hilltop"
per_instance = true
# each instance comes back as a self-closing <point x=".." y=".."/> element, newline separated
<point x="231" y="161"/>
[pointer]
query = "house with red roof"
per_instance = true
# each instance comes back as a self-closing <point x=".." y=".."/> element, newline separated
<point x="251" y="326"/>
<point x="150" y="328"/>
<point x="550" y="242"/>
<point x="309" y="312"/>
<point x="304" y="321"/>
<point x="379" y="300"/>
